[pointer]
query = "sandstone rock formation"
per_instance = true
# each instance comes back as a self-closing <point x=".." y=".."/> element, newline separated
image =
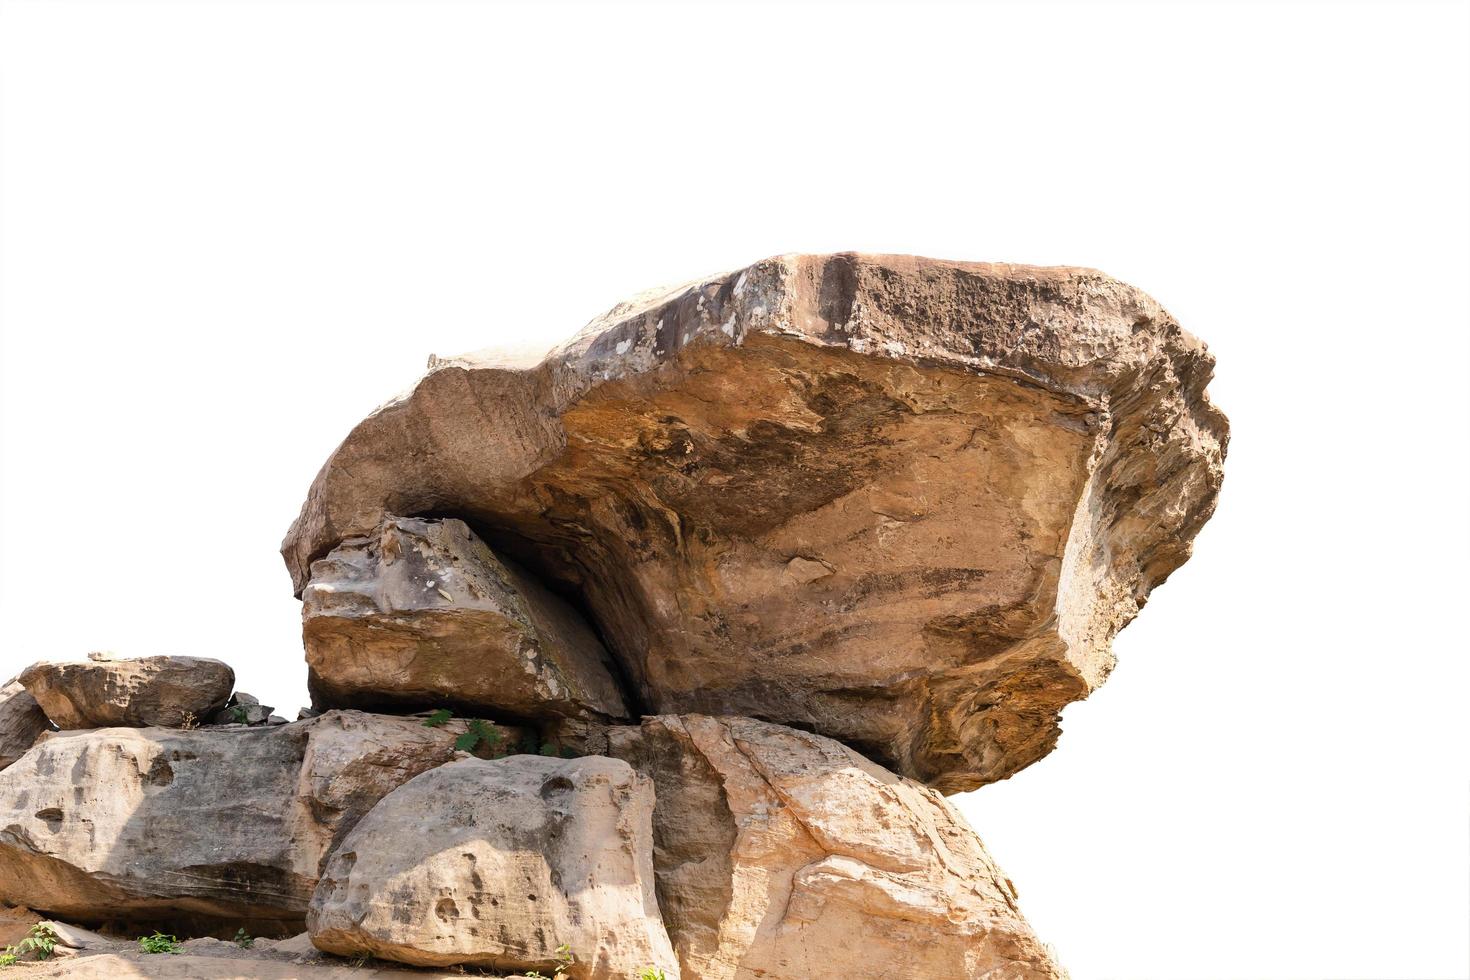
<point x="422" y="612"/>
<point x="98" y="693"/>
<point x="21" y="721"/>
<point x="197" y="830"/>
<point x="856" y="527"/>
<point x="787" y="856"/>
<point x="902" y="502"/>
<point x="516" y="864"/>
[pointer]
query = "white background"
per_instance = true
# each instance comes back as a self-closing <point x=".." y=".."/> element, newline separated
<point x="230" y="230"/>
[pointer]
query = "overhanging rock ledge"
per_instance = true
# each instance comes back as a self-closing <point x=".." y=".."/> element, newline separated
<point x="901" y="502"/>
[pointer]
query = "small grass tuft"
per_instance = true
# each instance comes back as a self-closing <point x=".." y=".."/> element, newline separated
<point x="159" y="943"/>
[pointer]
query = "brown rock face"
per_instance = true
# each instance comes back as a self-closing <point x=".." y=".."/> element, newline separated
<point x="423" y="613"/>
<point x="788" y="856"/>
<point x="162" y="691"/>
<point x="21" y="722"/>
<point x="204" y="830"/>
<point x="902" y="502"/>
<point x="498" y="864"/>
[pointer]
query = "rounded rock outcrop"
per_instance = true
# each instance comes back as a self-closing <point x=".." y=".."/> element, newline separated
<point x="139" y="693"/>
<point x="517" y="864"/>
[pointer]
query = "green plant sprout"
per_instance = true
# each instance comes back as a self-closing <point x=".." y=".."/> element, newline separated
<point x="41" y="940"/>
<point x="159" y="943"/>
<point x="478" y="732"/>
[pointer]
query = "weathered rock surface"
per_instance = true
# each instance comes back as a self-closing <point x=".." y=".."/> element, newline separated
<point x="902" y="502"/>
<point x="422" y="612"/>
<point x="148" y="691"/>
<point x="497" y="864"/>
<point x="198" y="830"/>
<point x="787" y="856"/>
<point x="21" y="721"/>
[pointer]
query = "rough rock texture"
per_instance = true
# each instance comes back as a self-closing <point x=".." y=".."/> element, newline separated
<point x="421" y="612"/>
<point x="100" y="693"/>
<point x="902" y="502"/>
<point x="197" y="830"/>
<point x="497" y="864"/>
<point x="787" y="856"/>
<point x="21" y="721"/>
<point x="242" y="709"/>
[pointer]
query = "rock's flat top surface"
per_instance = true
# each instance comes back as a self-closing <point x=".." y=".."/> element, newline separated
<point x="903" y="502"/>
<point x="139" y="693"/>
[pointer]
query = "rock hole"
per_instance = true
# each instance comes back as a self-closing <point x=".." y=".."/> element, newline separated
<point x="160" y="773"/>
<point x="52" y="816"/>
<point x="556" y="785"/>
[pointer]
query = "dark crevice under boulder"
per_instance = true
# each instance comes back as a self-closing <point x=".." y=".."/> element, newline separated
<point x="423" y="613"/>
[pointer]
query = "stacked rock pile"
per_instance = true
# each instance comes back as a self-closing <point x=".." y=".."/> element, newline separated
<point x="659" y="656"/>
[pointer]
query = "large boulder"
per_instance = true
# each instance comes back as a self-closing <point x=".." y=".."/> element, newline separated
<point x="148" y="691"/>
<point x="518" y="864"/>
<point x="198" y="831"/>
<point x="21" y="721"/>
<point x="787" y="856"/>
<point x="902" y="502"/>
<point x="422" y="612"/>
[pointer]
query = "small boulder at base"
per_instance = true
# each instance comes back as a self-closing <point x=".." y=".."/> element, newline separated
<point x="21" y="722"/>
<point x="514" y="865"/>
<point x="164" y="692"/>
<point x="198" y="831"/>
<point x="423" y="613"/>
<point x="787" y="856"/>
<point x="242" y="709"/>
